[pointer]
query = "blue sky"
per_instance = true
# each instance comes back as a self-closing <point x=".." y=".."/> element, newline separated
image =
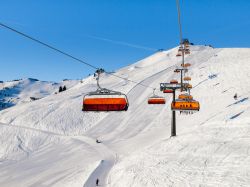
<point x="109" y="33"/>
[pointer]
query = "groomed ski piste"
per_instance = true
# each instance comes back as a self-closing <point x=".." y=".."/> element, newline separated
<point x="51" y="142"/>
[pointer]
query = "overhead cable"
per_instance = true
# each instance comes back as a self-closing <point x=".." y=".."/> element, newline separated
<point x="67" y="54"/>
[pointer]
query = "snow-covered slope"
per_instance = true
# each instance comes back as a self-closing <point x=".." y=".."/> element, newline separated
<point x="27" y="90"/>
<point x="51" y="142"/>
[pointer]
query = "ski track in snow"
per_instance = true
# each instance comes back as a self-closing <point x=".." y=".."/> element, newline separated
<point x="100" y="172"/>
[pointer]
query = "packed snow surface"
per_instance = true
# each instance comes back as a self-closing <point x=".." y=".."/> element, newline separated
<point x="51" y="142"/>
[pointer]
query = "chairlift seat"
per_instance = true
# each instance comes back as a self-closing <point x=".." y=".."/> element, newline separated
<point x="185" y="105"/>
<point x="185" y="97"/>
<point x="156" y="100"/>
<point x="168" y="91"/>
<point x="173" y="82"/>
<point x="105" y="100"/>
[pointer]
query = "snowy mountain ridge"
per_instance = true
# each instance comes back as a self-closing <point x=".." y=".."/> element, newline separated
<point x="27" y="90"/>
<point x="51" y="142"/>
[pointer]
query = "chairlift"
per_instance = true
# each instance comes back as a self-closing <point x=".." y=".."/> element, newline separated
<point x="185" y="96"/>
<point x="104" y="100"/>
<point x="173" y="81"/>
<point x="186" y="65"/>
<point x="168" y="91"/>
<point x="180" y="49"/>
<point x="189" y="86"/>
<point x="155" y="99"/>
<point x="187" y="78"/>
<point x="190" y="105"/>
<point x="187" y="51"/>
<point x="179" y="54"/>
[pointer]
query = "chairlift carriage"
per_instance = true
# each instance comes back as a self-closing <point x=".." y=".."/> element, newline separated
<point x="185" y="96"/>
<point x="189" y="86"/>
<point x="185" y="105"/>
<point x="168" y="91"/>
<point x="155" y="99"/>
<point x="173" y="81"/>
<point x="187" y="78"/>
<point x="105" y="100"/>
<point x="179" y="53"/>
<point x="186" y="65"/>
<point x="180" y="49"/>
<point x="187" y="51"/>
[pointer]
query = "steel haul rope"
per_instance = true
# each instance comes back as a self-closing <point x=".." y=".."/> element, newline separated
<point x="67" y="54"/>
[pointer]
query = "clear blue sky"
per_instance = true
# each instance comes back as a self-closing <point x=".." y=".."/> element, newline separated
<point x="80" y="27"/>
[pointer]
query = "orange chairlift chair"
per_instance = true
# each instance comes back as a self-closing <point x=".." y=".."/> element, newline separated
<point x="173" y="81"/>
<point x="155" y="99"/>
<point x="189" y="86"/>
<point x="185" y="105"/>
<point x="187" y="78"/>
<point x="186" y="65"/>
<point x="168" y="91"/>
<point x="179" y="53"/>
<point x="105" y="100"/>
<point x="185" y="96"/>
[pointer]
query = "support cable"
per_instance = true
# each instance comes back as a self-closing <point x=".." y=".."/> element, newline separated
<point x="67" y="54"/>
<point x="179" y="20"/>
<point x="181" y="39"/>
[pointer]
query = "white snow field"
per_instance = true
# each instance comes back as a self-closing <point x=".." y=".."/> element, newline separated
<point x="51" y="142"/>
<point x="27" y="90"/>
